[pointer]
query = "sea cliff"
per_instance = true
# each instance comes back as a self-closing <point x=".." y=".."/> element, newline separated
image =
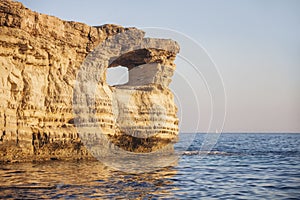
<point x="41" y="58"/>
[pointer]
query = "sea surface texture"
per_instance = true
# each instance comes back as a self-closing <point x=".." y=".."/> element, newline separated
<point x="241" y="166"/>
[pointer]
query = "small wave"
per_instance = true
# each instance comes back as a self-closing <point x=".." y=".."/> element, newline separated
<point x="29" y="187"/>
<point x="189" y="153"/>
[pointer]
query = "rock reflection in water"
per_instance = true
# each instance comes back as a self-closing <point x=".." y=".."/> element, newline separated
<point x="81" y="179"/>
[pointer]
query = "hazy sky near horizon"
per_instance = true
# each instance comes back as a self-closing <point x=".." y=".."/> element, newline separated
<point x="254" y="43"/>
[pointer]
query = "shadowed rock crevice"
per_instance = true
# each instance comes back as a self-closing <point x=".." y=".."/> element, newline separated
<point x="143" y="56"/>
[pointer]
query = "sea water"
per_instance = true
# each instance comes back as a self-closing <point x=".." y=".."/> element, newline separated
<point x="240" y="166"/>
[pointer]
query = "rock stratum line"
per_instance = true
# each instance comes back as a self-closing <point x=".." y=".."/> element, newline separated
<point x="42" y="60"/>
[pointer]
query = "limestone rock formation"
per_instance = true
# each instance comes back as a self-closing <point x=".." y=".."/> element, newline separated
<point x="45" y="65"/>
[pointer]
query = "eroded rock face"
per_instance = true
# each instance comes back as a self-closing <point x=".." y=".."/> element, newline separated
<point x="41" y="61"/>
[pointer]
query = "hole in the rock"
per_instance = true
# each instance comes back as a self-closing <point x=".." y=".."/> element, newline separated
<point x="117" y="75"/>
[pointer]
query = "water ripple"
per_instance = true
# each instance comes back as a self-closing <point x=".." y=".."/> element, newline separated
<point x="241" y="166"/>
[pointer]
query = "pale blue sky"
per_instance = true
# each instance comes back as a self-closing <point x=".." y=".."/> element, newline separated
<point x="255" y="44"/>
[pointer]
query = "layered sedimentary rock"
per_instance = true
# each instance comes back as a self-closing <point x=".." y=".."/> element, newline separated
<point x="44" y="64"/>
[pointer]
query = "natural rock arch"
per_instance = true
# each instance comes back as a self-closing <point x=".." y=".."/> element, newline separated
<point x="142" y="108"/>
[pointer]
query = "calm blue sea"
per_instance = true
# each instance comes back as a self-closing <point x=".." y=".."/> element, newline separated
<point x="241" y="166"/>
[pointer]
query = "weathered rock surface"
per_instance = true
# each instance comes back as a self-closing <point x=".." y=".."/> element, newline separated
<point x="41" y="58"/>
